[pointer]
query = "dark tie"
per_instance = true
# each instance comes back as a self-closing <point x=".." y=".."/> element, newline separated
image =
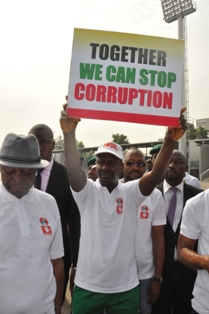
<point x="172" y="206"/>
<point x="37" y="183"/>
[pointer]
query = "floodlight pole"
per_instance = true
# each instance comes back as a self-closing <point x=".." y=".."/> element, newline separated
<point x="176" y="10"/>
<point x="183" y="140"/>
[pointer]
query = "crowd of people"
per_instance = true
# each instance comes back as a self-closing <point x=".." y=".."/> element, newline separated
<point x="132" y="233"/>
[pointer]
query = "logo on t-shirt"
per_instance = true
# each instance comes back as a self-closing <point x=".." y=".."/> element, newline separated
<point x="45" y="228"/>
<point x="119" y="206"/>
<point x="43" y="221"/>
<point x="144" y="213"/>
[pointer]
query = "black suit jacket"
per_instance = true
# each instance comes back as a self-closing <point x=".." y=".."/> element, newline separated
<point x="171" y="239"/>
<point x="58" y="187"/>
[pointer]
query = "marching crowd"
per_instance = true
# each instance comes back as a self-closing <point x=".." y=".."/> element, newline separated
<point x="133" y="233"/>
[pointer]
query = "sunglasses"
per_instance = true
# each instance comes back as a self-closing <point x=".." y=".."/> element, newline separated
<point x="132" y="164"/>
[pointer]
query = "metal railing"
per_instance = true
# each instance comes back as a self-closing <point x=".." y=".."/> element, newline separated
<point x="204" y="175"/>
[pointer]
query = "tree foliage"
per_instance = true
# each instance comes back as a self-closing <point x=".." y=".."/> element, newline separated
<point x="196" y="133"/>
<point x="120" y="138"/>
<point x="201" y="132"/>
<point x="59" y="143"/>
<point x="191" y="132"/>
<point x="80" y="144"/>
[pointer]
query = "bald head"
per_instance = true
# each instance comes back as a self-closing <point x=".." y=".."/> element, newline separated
<point x="177" y="168"/>
<point x="132" y="150"/>
<point x="134" y="164"/>
<point x="42" y="128"/>
<point x="45" y="137"/>
<point x="181" y="155"/>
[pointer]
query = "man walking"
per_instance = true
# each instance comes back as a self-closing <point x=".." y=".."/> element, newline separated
<point x="106" y="277"/>
<point x="31" y="266"/>
<point x="194" y="227"/>
<point x="149" y="243"/>
<point x="176" y="290"/>
<point x="54" y="180"/>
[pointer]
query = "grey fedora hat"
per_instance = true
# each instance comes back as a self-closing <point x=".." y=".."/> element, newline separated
<point x="20" y="151"/>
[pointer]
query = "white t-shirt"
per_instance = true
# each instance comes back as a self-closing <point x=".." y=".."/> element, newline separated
<point x="150" y="213"/>
<point x="195" y="225"/>
<point x="191" y="180"/>
<point x="30" y="237"/>
<point x="106" y="261"/>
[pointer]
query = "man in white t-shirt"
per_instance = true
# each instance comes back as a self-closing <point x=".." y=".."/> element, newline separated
<point x="191" y="180"/>
<point x="194" y="226"/>
<point x="106" y="277"/>
<point x="31" y="266"/>
<point x="149" y="243"/>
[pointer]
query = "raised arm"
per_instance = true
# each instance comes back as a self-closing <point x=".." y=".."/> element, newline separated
<point x="76" y="174"/>
<point x="149" y="181"/>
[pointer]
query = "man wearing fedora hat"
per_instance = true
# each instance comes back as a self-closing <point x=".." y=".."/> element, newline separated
<point x="31" y="248"/>
<point x="106" y="277"/>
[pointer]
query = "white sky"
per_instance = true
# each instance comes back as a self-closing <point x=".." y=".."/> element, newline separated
<point x="36" y="41"/>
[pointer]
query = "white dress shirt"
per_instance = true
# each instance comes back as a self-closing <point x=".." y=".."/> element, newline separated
<point x="179" y="204"/>
<point x="45" y="174"/>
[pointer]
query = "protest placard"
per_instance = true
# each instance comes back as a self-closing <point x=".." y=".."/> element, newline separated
<point x="125" y="77"/>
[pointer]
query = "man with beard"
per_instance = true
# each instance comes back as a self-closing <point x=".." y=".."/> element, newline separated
<point x="149" y="243"/>
<point x="176" y="290"/>
<point x="106" y="276"/>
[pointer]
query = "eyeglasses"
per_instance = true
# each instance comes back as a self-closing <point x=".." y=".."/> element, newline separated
<point x="132" y="164"/>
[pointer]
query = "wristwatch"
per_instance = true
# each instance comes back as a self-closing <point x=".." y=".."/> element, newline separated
<point x="159" y="280"/>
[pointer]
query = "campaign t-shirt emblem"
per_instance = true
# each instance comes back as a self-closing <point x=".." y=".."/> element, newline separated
<point x="43" y="221"/>
<point x="46" y="230"/>
<point x="144" y="213"/>
<point x="119" y="207"/>
<point x="44" y="226"/>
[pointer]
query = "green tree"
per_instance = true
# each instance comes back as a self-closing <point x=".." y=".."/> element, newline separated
<point x="80" y="144"/>
<point x="191" y="132"/>
<point x="59" y="143"/>
<point x="196" y="133"/>
<point x="202" y="132"/>
<point x="120" y="138"/>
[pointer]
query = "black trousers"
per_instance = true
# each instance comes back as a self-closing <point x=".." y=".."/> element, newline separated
<point x="175" y="295"/>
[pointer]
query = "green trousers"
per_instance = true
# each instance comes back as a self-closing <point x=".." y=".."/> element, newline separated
<point x="87" y="302"/>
